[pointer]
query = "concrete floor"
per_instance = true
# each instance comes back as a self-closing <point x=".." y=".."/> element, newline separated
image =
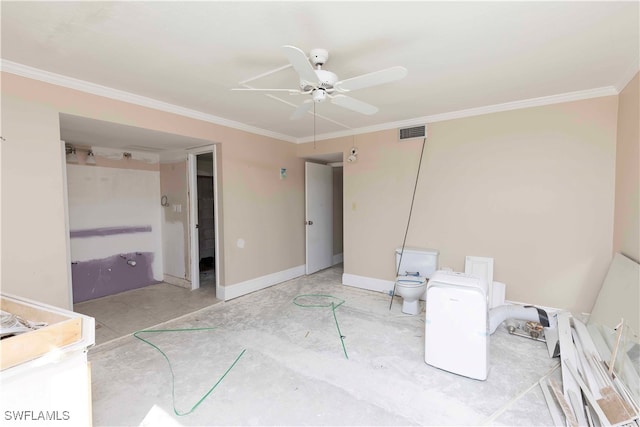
<point x="294" y="371"/>
<point x="124" y="313"/>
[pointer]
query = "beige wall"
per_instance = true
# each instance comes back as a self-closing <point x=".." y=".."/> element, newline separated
<point x="532" y="188"/>
<point x="260" y="207"/>
<point x="264" y="215"/>
<point x="34" y="248"/>
<point x="626" y="231"/>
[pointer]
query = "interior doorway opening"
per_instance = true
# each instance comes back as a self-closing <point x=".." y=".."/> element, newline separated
<point x="206" y="225"/>
<point x="203" y="220"/>
<point x="335" y="233"/>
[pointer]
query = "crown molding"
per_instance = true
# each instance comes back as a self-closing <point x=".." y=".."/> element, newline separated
<point x="107" y="92"/>
<point x="507" y="106"/>
<point x="120" y="95"/>
<point x="627" y="77"/>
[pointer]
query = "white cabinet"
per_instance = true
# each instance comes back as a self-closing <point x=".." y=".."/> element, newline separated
<point x="45" y="377"/>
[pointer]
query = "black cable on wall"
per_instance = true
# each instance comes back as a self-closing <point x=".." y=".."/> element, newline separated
<point x="404" y="241"/>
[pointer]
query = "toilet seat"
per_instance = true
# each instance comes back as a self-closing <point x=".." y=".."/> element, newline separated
<point x="411" y="281"/>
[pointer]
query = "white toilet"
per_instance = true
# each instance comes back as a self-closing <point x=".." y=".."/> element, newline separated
<point x="415" y="267"/>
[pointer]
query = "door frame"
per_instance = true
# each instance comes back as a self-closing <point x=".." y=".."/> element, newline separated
<point x="67" y="230"/>
<point x="194" y="250"/>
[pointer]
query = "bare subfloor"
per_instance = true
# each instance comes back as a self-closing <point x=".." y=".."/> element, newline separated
<point x="291" y="368"/>
<point x="124" y="313"/>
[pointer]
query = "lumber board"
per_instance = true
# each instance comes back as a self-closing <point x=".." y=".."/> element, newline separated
<point x="570" y="387"/>
<point x="616" y="409"/>
<point x="556" y="413"/>
<point x="586" y="339"/>
<point x="585" y="367"/>
<point x="587" y="394"/>
<point x="567" y="410"/>
<point x="63" y="328"/>
<point x="28" y="312"/>
<point x="30" y="345"/>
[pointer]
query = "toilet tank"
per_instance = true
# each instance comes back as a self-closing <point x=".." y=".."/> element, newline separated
<point x="424" y="262"/>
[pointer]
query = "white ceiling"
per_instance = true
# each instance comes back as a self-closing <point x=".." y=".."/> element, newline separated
<point x="82" y="131"/>
<point x="459" y="55"/>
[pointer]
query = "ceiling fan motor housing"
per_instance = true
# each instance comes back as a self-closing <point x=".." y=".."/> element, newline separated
<point x="318" y="56"/>
<point x="326" y="80"/>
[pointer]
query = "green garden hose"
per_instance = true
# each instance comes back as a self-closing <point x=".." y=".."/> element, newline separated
<point x="173" y="391"/>
<point x="331" y="304"/>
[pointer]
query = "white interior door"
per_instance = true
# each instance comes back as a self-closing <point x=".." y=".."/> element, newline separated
<point x="319" y="216"/>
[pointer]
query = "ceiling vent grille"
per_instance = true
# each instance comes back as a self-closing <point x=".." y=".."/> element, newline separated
<point x="413" y="132"/>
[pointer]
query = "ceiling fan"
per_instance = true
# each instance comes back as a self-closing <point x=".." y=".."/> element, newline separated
<point x="323" y="84"/>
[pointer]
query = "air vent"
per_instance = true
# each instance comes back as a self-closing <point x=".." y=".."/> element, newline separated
<point x="413" y="132"/>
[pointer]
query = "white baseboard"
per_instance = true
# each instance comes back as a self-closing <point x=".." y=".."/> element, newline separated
<point x="368" y="283"/>
<point x="176" y="281"/>
<point x="338" y="258"/>
<point x="243" y="288"/>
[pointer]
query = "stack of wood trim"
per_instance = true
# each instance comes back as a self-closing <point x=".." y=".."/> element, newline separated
<point x="591" y="394"/>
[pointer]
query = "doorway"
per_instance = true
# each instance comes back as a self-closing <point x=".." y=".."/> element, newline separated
<point x="206" y="226"/>
<point x="324" y="187"/>
<point x="203" y="219"/>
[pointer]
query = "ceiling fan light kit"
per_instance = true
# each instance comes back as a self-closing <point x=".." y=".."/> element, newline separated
<point x="322" y="84"/>
<point x="319" y="95"/>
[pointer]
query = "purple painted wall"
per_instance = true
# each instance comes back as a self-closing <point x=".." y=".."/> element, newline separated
<point x="108" y="276"/>
<point x="109" y="231"/>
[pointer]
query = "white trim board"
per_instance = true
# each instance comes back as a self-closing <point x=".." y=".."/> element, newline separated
<point x="176" y="281"/>
<point x="252" y="285"/>
<point x="368" y="283"/>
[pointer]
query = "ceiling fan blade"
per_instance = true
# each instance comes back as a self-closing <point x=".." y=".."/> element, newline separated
<point x="252" y="89"/>
<point x="353" y="104"/>
<point x="371" y="79"/>
<point x="302" y="109"/>
<point x="301" y="64"/>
